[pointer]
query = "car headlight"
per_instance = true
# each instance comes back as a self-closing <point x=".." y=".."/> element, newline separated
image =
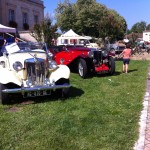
<point x="91" y="54"/>
<point x="104" y="53"/>
<point x="52" y="64"/>
<point x="17" y="66"/>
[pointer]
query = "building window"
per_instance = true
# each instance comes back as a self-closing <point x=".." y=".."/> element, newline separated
<point x="11" y="15"/>
<point x="25" y="18"/>
<point x="36" y="19"/>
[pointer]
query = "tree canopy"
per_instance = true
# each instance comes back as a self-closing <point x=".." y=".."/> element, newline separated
<point x="139" y="27"/>
<point x="45" y="31"/>
<point x="87" y="17"/>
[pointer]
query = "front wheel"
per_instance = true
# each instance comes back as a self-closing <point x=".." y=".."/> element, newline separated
<point x="64" y="93"/>
<point x="82" y="68"/>
<point x="111" y="64"/>
<point x="3" y="96"/>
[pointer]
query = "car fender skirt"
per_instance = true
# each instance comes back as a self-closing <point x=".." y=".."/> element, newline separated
<point x="62" y="71"/>
<point x="7" y="76"/>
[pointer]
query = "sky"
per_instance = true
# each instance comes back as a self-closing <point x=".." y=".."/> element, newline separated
<point x="132" y="11"/>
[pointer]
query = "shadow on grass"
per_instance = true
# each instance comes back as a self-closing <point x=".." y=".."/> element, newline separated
<point x="132" y="70"/>
<point x="117" y="73"/>
<point x="55" y="96"/>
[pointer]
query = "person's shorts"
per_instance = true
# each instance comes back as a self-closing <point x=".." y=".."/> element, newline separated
<point x="126" y="61"/>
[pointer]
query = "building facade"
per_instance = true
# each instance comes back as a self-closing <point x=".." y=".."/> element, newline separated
<point x="21" y="13"/>
<point x="146" y="36"/>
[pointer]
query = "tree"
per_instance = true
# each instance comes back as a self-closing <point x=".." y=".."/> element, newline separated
<point x="45" y="31"/>
<point x="138" y="27"/>
<point x="90" y="18"/>
<point x="148" y="27"/>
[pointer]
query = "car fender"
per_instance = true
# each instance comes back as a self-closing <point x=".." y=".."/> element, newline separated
<point x="8" y="76"/>
<point x="62" y="71"/>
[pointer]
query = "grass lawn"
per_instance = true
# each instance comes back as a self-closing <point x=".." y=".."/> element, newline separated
<point x="102" y="113"/>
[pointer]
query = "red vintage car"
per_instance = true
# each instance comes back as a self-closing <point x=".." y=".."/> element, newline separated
<point x="84" y="60"/>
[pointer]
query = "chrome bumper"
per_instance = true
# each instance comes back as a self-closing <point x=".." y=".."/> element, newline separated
<point x="38" y="88"/>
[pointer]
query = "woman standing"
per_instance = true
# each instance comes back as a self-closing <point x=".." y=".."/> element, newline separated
<point x="126" y="57"/>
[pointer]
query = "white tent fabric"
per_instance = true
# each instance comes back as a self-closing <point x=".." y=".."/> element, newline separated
<point x="70" y="38"/>
<point x="5" y="29"/>
<point x="72" y="34"/>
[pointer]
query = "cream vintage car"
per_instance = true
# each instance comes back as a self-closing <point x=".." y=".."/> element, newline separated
<point x="28" y="68"/>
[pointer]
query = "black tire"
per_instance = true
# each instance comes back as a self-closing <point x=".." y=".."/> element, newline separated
<point x="3" y="96"/>
<point x="64" y="93"/>
<point x="148" y="50"/>
<point x="82" y="68"/>
<point x="139" y="51"/>
<point x="111" y="64"/>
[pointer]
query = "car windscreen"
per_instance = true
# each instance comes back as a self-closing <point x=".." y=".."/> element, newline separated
<point x="31" y="46"/>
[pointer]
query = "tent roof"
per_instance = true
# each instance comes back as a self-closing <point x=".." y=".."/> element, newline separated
<point x="71" y="34"/>
<point x="5" y="29"/>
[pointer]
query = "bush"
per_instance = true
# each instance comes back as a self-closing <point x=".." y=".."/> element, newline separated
<point x="13" y="24"/>
<point x="26" y="26"/>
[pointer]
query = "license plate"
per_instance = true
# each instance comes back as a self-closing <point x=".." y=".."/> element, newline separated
<point x="37" y="93"/>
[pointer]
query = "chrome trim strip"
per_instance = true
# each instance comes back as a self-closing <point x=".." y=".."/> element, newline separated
<point x="39" y="88"/>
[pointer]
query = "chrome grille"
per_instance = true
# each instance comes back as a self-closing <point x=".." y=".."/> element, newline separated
<point x="36" y="69"/>
<point x="97" y="56"/>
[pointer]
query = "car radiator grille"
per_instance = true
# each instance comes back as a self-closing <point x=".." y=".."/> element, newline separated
<point x="97" y="56"/>
<point x="36" y="71"/>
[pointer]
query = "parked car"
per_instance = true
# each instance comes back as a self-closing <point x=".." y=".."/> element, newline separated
<point x="28" y="68"/>
<point x="84" y="60"/>
<point x="118" y="48"/>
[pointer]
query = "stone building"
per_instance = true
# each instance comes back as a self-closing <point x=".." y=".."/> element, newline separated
<point x="23" y="13"/>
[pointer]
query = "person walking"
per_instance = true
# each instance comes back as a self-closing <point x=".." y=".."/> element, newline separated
<point x="126" y="53"/>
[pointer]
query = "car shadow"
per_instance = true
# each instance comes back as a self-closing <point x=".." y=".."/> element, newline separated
<point x="117" y="73"/>
<point x="132" y="70"/>
<point x="19" y="100"/>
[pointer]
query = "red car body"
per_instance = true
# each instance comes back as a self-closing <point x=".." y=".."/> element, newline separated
<point x="83" y="59"/>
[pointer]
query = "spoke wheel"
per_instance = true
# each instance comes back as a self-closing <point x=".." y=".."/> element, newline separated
<point x="82" y="68"/>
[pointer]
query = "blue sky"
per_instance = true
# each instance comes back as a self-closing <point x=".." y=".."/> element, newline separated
<point x="132" y="10"/>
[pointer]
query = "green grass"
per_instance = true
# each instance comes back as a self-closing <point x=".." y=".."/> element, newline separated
<point x="102" y="113"/>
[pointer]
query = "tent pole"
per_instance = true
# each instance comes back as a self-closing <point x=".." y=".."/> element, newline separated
<point x="14" y="36"/>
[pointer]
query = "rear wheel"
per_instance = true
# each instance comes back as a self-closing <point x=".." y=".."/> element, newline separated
<point x="82" y="68"/>
<point x="111" y="64"/>
<point x="3" y="96"/>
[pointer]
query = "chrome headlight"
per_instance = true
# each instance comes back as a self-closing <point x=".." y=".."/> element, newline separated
<point x="91" y="54"/>
<point x="17" y="66"/>
<point x="52" y="64"/>
<point x="104" y="53"/>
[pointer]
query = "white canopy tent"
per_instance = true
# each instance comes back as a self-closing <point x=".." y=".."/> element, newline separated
<point x="69" y="38"/>
<point x="5" y="29"/>
<point x="70" y="33"/>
